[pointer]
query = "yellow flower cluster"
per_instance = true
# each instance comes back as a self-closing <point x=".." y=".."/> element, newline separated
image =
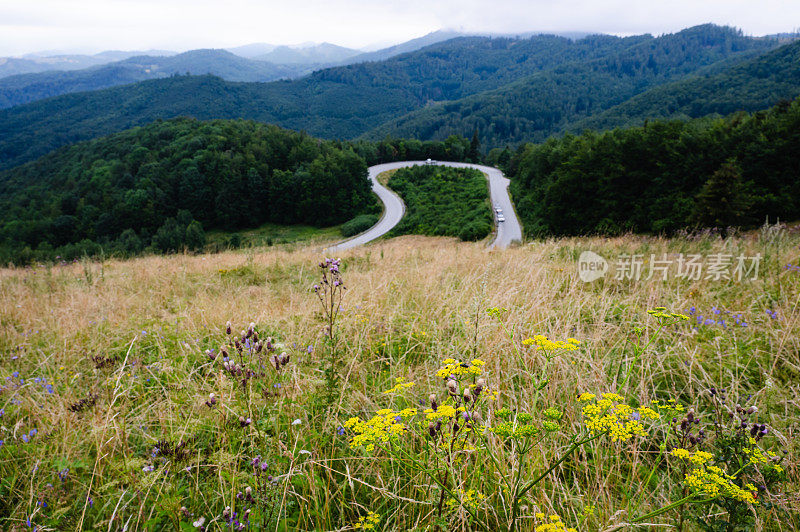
<point x="470" y="498"/>
<point x="757" y="456"/>
<point x="610" y="415"/>
<point x="385" y="425"/>
<point x="367" y="522"/>
<point x="542" y="342"/>
<point x="553" y="524"/>
<point x="713" y="482"/>
<point x="699" y="457"/>
<point x="663" y="313"/>
<point x="496" y="312"/>
<point x="458" y="368"/>
<point x="443" y="411"/>
<point x="400" y="385"/>
<point x="671" y="405"/>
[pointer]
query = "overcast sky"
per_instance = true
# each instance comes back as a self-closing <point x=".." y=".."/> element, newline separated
<point x="95" y="25"/>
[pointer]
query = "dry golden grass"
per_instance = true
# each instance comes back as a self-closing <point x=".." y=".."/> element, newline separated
<point x="410" y="303"/>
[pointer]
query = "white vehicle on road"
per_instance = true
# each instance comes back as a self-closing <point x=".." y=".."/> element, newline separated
<point x="430" y="161"/>
<point x="501" y="218"/>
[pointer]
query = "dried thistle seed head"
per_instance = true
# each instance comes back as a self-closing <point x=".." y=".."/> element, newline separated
<point x="432" y="428"/>
<point x="476" y="418"/>
<point x="248" y="492"/>
<point x="259" y="346"/>
<point x="467" y="395"/>
<point x="228" y="328"/>
<point x="212" y="398"/>
<point x="452" y="387"/>
<point x="432" y="399"/>
<point x="275" y="361"/>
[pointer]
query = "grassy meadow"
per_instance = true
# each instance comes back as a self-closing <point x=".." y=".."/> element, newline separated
<point x="119" y="410"/>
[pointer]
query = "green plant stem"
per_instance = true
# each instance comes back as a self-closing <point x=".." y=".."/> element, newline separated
<point x="442" y="486"/>
<point x="669" y="507"/>
<point x="571" y="450"/>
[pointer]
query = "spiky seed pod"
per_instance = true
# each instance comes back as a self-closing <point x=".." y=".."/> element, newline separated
<point x="228" y="328"/>
<point x="476" y="418"/>
<point x="212" y="398"/>
<point x="248" y="492"/>
<point x="479" y="386"/>
<point x="432" y="429"/>
<point x="275" y="362"/>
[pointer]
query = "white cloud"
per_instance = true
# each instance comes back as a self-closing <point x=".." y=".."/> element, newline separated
<point x="30" y="25"/>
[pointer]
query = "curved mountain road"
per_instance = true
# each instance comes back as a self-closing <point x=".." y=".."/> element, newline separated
<point x="507" y="232"/>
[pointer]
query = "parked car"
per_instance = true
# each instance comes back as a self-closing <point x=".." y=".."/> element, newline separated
<point x="501" y="218"/>
<point x="430" y="161"/>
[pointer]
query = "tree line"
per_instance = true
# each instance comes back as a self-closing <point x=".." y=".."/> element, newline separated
<point x="663" y="176"/>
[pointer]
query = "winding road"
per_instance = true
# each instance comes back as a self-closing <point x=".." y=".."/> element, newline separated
<point x="507" y="232"/>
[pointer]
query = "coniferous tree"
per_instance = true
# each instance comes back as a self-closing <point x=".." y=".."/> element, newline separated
<point x="721" y="202"/>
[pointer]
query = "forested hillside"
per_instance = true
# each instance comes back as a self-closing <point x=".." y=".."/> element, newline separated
<point x="554" y="100"/>
<point x="549" y="80"/>
<point x="664" y="176"/>
<point x="751" y="86"/>
<point x="147" y="185"/>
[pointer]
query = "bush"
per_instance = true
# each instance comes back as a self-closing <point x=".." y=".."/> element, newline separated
<point x="474" y="231"/>
<point x="195" y="236"/>
<point x="359" y="224"/>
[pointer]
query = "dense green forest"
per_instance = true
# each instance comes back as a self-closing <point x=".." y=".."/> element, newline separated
<point x="549" y="80"/>
<point x="443" y="201"/>
<point x="664" y="176"/>
<point x="164" y="184"/>
<point x="561" y="99"/>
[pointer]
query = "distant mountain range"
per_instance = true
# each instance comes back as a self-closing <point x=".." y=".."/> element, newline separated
<point x="24" y="80"/>
<point x="510" y="90"/>
<point x="24" y="88"/>
<point x="32" y="63"/>
<point x="324" y="53"/>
